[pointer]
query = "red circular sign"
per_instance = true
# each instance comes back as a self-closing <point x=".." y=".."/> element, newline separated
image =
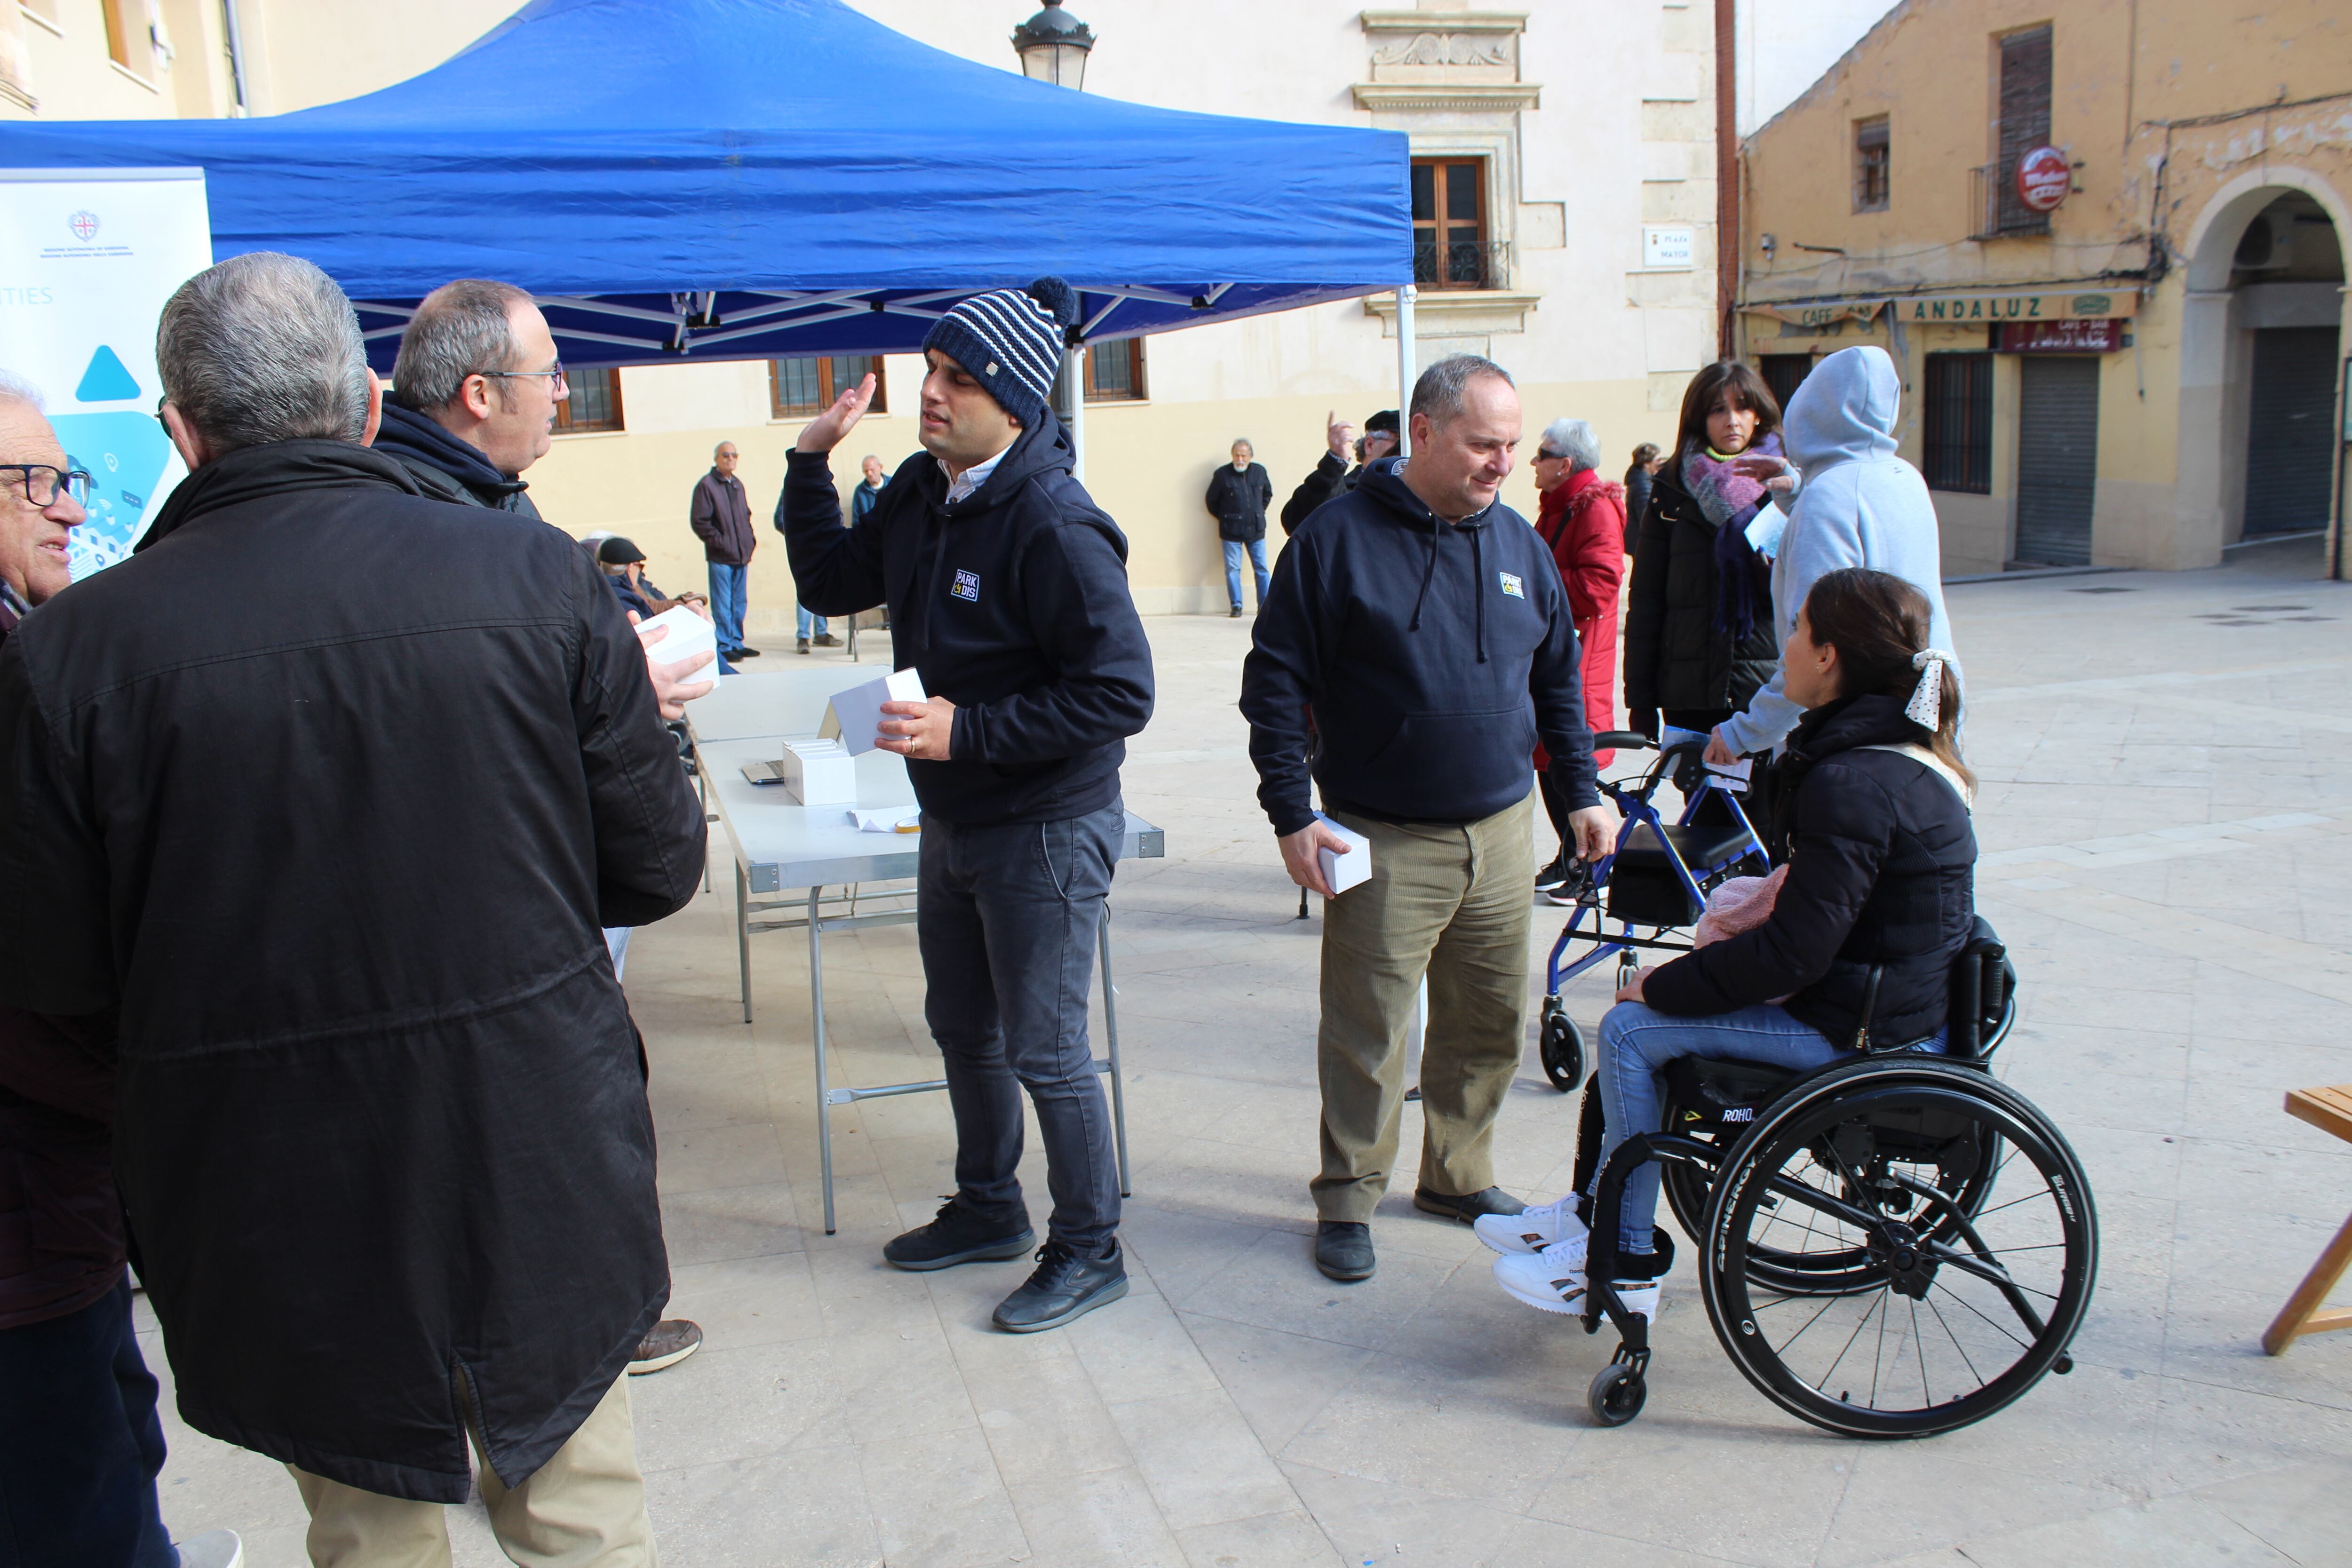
<point x="2043" y="179"/>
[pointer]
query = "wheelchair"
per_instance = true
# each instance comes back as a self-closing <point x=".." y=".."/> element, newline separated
<point x="1853" y="1261"/>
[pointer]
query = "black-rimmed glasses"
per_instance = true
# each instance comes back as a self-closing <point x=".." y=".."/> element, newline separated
<point x="556" y="383"/>
<point x="42" y="481"/>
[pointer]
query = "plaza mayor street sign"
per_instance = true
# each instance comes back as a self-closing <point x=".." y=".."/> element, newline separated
<point x="2043" y="178"/>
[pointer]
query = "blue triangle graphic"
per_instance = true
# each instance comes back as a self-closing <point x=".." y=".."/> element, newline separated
<point x="106" y="380"/>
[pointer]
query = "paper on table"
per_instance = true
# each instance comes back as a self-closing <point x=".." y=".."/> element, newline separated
<point x="855" y="715"/>
<point x="690" y="635"/>
<point x="892" y="819"/>
<point x="1341" y="872"/>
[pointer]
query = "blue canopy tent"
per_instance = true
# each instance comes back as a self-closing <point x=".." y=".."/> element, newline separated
<point x="746" y="179"/>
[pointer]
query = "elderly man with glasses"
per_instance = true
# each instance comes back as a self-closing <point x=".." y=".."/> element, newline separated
<point x="41" y="499"/>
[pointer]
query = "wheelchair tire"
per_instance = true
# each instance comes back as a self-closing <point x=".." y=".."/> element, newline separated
<point x="1617" y="1395"/>
<point x="1560" y="1047"/>
<point x="1952" y="1329"/>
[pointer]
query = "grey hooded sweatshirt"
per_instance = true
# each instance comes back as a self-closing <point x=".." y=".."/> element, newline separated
<point x="1861" y="505"/>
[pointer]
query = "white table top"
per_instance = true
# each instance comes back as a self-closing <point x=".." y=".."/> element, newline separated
<point x="781" y="844"/>
<point x="774" y="703"/>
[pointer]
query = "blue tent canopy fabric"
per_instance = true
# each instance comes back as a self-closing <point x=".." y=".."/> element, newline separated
<point x="743" y="179"/>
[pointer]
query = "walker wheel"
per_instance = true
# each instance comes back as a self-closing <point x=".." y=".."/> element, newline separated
<point x="1616" y="1395"/>
<point x="1561" y="1047"/>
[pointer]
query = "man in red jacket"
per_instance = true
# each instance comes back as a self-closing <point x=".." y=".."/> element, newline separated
<point x="1582" y="518"/>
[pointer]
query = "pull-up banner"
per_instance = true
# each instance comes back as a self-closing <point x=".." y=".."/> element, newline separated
<point x="87" y="257"/>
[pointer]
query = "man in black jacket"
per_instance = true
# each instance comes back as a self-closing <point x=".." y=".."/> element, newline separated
<point x="1332" y="476"/>
<point x="720" y="516"/>
<point x="1420" y="637"/>
<point x="339" y="859"/>
<point x="1007" y="588"/>
<point x="1239" y="493"/>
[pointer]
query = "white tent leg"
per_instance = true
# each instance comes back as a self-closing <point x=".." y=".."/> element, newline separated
<point x="1405" y="372"/>
<point x="1079" y="412"/>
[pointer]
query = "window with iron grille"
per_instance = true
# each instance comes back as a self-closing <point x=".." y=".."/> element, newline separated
<point x="808" y="386"/>
<point x="594" y="402"/>
<point x="2024" y="125"/>
<point x="1872" y="186"/>
<point x="1114" y="372"/>
<point x="1450" y="248"/>
<point x="1959" y="423"/>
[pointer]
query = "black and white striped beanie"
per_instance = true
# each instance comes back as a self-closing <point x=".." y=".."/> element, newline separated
<point x="1011" y="342"/>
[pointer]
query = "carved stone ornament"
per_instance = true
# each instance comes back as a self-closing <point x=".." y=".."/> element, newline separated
<point x="1448" y="50"/>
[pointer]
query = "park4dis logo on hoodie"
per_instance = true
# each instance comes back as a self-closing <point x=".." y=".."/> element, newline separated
<point x="1512" y="586"/>
<point x="967" y="587"/>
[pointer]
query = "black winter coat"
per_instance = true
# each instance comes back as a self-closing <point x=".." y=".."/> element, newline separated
<point x="1012" y="604"/>
<point x="1331" y="480"/>
<point x="1882" y="873"/>
<point x="338" y="833"/>
<point x="447" y="468"/>
<point x="1238" y="501"/>
<point x="1675" y="658"/>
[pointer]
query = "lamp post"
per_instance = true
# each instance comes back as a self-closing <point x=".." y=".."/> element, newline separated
<point x="1052" y="46"/>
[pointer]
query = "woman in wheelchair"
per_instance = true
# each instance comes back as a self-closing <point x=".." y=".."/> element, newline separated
<point x="1858" y="952"/>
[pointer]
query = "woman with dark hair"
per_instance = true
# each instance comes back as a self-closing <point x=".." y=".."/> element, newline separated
<point x="1874" y="903"/>
<point x="1698" y="629"/>
<point x="1638" y="475"/>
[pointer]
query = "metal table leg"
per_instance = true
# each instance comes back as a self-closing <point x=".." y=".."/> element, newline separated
<point x="816" y="1029"/>
<point x="1110" y="1034"/>
<point x="744" y="936"/>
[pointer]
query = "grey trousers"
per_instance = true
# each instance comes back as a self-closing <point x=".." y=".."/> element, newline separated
<point x="1006" y="918"/>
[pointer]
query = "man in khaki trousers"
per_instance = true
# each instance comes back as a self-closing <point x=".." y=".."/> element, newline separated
<point x="1416" y="644"/>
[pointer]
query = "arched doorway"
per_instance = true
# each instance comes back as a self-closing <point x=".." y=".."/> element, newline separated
<point x="2261" y="361"/>
<point x="2286" y="274"/>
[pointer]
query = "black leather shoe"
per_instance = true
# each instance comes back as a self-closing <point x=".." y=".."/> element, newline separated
<point x="745" y="653"/>
<point x="959" y="1236"/>
<point x="1469" y="1206"/>
<point x="1065" y="1286"/>
<point x="1343" y="1249"/>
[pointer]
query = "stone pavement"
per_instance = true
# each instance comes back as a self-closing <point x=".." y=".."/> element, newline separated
<point x="2167" y="821"/>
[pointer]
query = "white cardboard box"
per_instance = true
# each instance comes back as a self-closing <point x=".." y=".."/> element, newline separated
<point x="690" y="635"/>
<point x="855" y="714"/>
<point x="1344" y="871"/>
<point x="820" y="773"/>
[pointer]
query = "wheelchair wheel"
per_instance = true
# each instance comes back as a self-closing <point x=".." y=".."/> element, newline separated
<point x="1962" y="1313"/>
<point x="1617" y="1395"/>
<point x="1560" y="1046"/>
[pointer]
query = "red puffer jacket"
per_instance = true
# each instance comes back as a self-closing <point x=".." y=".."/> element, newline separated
<point x="1583" y="521"/>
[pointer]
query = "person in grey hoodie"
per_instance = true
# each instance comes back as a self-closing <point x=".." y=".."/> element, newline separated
<point x="1861" y="505"/>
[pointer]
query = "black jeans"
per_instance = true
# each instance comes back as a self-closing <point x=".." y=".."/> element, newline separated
<point x="1007" y="919"/>
<point x="81" y="1445"/>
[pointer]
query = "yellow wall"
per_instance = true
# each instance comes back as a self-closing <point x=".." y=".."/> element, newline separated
<point x="2172" y="420"/>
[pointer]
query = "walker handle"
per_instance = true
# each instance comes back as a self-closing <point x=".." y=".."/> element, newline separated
<point x="1621" y="741"/>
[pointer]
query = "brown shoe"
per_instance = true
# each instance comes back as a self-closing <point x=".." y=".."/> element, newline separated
<point x="827" y="639"/>
<point x="666" y="1344"/>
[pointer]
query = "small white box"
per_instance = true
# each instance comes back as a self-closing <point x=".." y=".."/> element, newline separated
<point x="855" y="715"/>
<point x="820" y="773"/>
<point x="690" y="635"/>
<point x="1344" y="871"/>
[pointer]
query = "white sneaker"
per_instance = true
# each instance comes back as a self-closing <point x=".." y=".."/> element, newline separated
<point x="213" y="1549"/>
<point x="1531" y="1229"/>
<point x="1552" y="1280"/>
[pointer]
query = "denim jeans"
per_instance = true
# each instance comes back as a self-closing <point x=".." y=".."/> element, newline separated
<point x="1636" y="1044"/>
<point x="79" y="1442"/>
<point x="806" y="621"/>
<point x="1233" y="547"/>
<point x="1006" y="918"/>
<point x="727" y="587"/>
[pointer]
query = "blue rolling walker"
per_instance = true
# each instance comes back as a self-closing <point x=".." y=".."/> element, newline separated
<point x="1658" y="876"/>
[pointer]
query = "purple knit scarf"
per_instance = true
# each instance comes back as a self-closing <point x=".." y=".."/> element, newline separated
<point x="1730" y="500"/>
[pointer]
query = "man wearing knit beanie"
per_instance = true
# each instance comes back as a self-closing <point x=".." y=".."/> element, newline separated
<point x="1007" y="592"/>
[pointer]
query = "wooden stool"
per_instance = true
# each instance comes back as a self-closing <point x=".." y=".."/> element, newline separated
<point x="2330" y="1109"/>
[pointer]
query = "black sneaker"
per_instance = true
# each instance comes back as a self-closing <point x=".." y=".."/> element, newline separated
<point x="1575" y="885"/>
<point x="957" y="1235"/>
<point x="1065" y="1286"/>
<point x="1343" y="1249"/>
<point x="1469" y="1206"/>
<point x="745" y="653"/>
<point x="1552" y="876"/>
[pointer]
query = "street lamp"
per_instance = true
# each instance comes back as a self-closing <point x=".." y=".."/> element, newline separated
<point x="1052" y="46"/>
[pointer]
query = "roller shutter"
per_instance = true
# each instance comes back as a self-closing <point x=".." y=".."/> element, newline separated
<point x="2057" y="458"/>
<point x="2288" y="444"/>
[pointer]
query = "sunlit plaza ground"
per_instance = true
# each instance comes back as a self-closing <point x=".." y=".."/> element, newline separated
<point x="2166" y="829"/>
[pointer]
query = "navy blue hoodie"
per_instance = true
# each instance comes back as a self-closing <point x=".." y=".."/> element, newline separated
<point x="1012" y="604"/>
<point x="1433" y="657"/>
